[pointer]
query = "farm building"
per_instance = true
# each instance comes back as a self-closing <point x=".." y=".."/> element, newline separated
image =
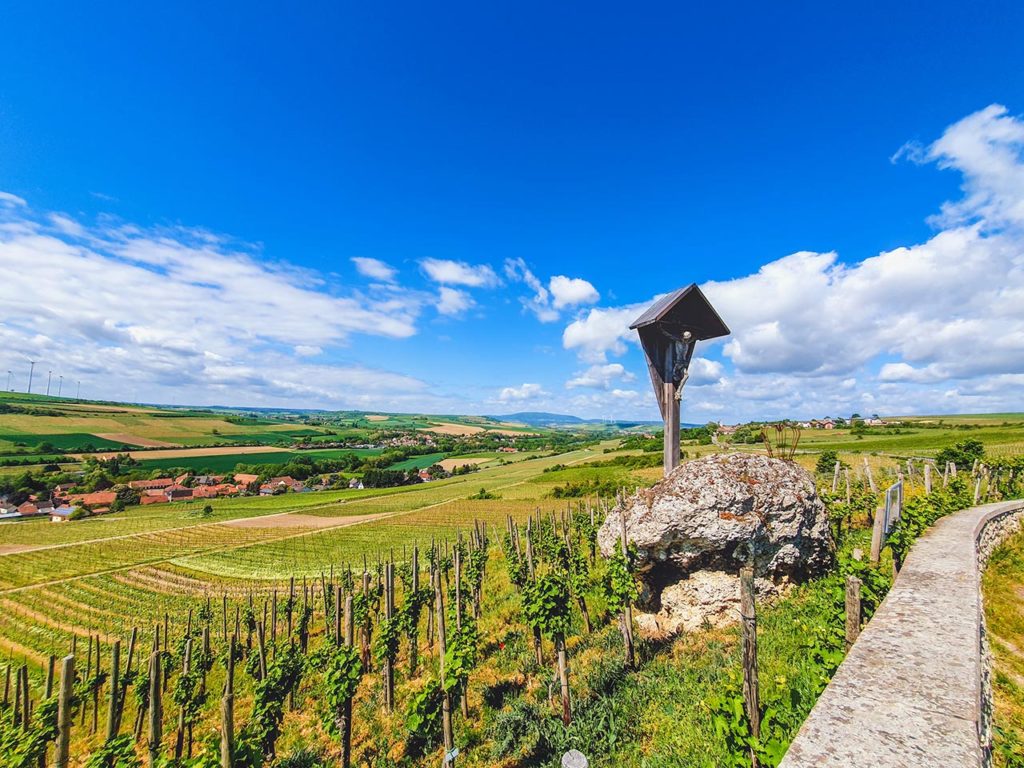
<point x="146" y="485"/>
<point x="61" y="514"/>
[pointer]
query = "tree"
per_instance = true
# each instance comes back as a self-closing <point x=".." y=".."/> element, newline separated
<point x="826" y="463"/>
<point x="963" y="454"/>
<point x="127" y="496"/>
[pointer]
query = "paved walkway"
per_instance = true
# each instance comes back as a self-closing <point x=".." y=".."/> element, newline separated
<point x="910" y="691"/>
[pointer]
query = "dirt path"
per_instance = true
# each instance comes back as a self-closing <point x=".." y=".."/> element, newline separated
<point x="10" y="549"/>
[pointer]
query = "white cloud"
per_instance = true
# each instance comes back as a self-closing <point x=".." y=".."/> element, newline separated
<point x="374" y="268"/>
<point x="602" y="331"/>
<point x="8" y="199"/>
<point x="540" y="303"/>
<point x="571" y="291"/>
<point x="66" y="225"/>
<point x="600" y="376"/>
<point x="547" y="302"/>
<point x="521" y="393"/>
<point x="948" y="311"/>
<point x="459" y="273"/>
<point x="183" y="313"/>
<point x="453" y="302"/>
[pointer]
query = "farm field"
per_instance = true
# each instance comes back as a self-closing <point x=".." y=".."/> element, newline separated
<point x="1002" y="434"/>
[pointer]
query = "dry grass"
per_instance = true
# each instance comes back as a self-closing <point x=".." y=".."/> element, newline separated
<point x="377" y="417"/>
<point x="297" y="520"/>
<point x="450" y="464"/>
<point x="447" y="428"/>
<point x="10" y="549"/>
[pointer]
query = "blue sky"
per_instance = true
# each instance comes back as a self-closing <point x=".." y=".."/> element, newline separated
<point x="188" y="187"/>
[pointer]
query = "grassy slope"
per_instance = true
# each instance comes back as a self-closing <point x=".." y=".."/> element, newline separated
<point x="1003" y="590"/>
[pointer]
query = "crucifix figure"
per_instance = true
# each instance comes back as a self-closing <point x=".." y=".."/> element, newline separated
<point x="669" y="332"/>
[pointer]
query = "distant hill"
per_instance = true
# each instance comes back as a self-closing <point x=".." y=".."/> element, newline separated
<point x="544" y="419"/>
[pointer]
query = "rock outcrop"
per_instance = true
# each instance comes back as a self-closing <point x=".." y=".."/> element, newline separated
<point x="697" y="527"/>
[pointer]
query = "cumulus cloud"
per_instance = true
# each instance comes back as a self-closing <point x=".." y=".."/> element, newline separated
<point x="571" y="291"/>
<point x="460" y="273"/>
<point x="947" y="311"/>
<point x="602" y="331"/>
<point x="453" y="302"/>
<point x="521" y="393"/>
<point x="547" y="302"/>
<point x="374" y="268"/>
<point x="600" y="376"/>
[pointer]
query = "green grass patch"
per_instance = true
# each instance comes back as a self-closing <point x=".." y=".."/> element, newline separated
<point x="68" y="441"/>
<point x="418" y="462"/>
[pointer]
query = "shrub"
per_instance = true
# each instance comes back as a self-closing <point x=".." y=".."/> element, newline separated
<point x="963" y="454"/>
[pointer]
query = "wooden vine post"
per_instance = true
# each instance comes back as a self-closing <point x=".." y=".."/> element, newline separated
<point x="927" y="479"/>
<point x="115" y="685"/>
<point x="227" y="711"/>
<point x="853" y="610"/>
<point x="413" y="650"/>
<point x="446" y="699"/>
<point x="748" y="618"/>
<point x="346" y="708"/>
<point x="627" y="608"/>
<point x="64" y="704"/>
<point x="389" y="615"/>
<point x="156" y="714"/>
<point x="563" y="678"/>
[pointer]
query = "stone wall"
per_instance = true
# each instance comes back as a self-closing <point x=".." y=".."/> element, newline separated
<point x="915" y="688"/>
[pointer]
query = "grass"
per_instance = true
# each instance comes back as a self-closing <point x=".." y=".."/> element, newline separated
<point x="67" y="441"/>
<point x="219" y="464"/>
<point x="1003" y="591"/>
<point x="418" y="462"/>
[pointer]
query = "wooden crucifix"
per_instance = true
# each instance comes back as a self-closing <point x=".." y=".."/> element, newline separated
<point x="669" y="331"/>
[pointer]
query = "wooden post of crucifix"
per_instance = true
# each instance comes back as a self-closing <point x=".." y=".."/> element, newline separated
<point x="669" y="331"/>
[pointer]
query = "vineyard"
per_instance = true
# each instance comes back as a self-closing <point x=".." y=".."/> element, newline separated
<point x="418" y="623"/>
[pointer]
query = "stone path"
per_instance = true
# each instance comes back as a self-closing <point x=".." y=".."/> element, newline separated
<point x="910" y="691"/>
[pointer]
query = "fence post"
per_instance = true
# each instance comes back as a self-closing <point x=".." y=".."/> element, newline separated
<point x="748" y="617"/>
<point x="853" y="611"/>
<point x="115" y="684"/>
<point x="927" y="479"/>
<point x="156" y="714"/>
<point x="870" y="477"/>
<point x="227" y="711"/>
<point x="446" y="700"/>
<point x="877" y="534"/>
<point x="64" y="703"/>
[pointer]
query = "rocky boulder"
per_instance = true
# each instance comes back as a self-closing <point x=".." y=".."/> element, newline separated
<point x="697" y="527"/>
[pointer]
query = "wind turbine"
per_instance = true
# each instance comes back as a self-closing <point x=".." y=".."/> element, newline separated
<point x="49" y="375"/>
<point x="9" y="375"/>
<point x="60" y="385"/>
<point x="31" y="370"/>
<point x="79" y="395"/>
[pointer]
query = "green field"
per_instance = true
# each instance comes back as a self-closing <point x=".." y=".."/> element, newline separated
<point x="418" y="462"/>
<point x="70" y="441"/>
